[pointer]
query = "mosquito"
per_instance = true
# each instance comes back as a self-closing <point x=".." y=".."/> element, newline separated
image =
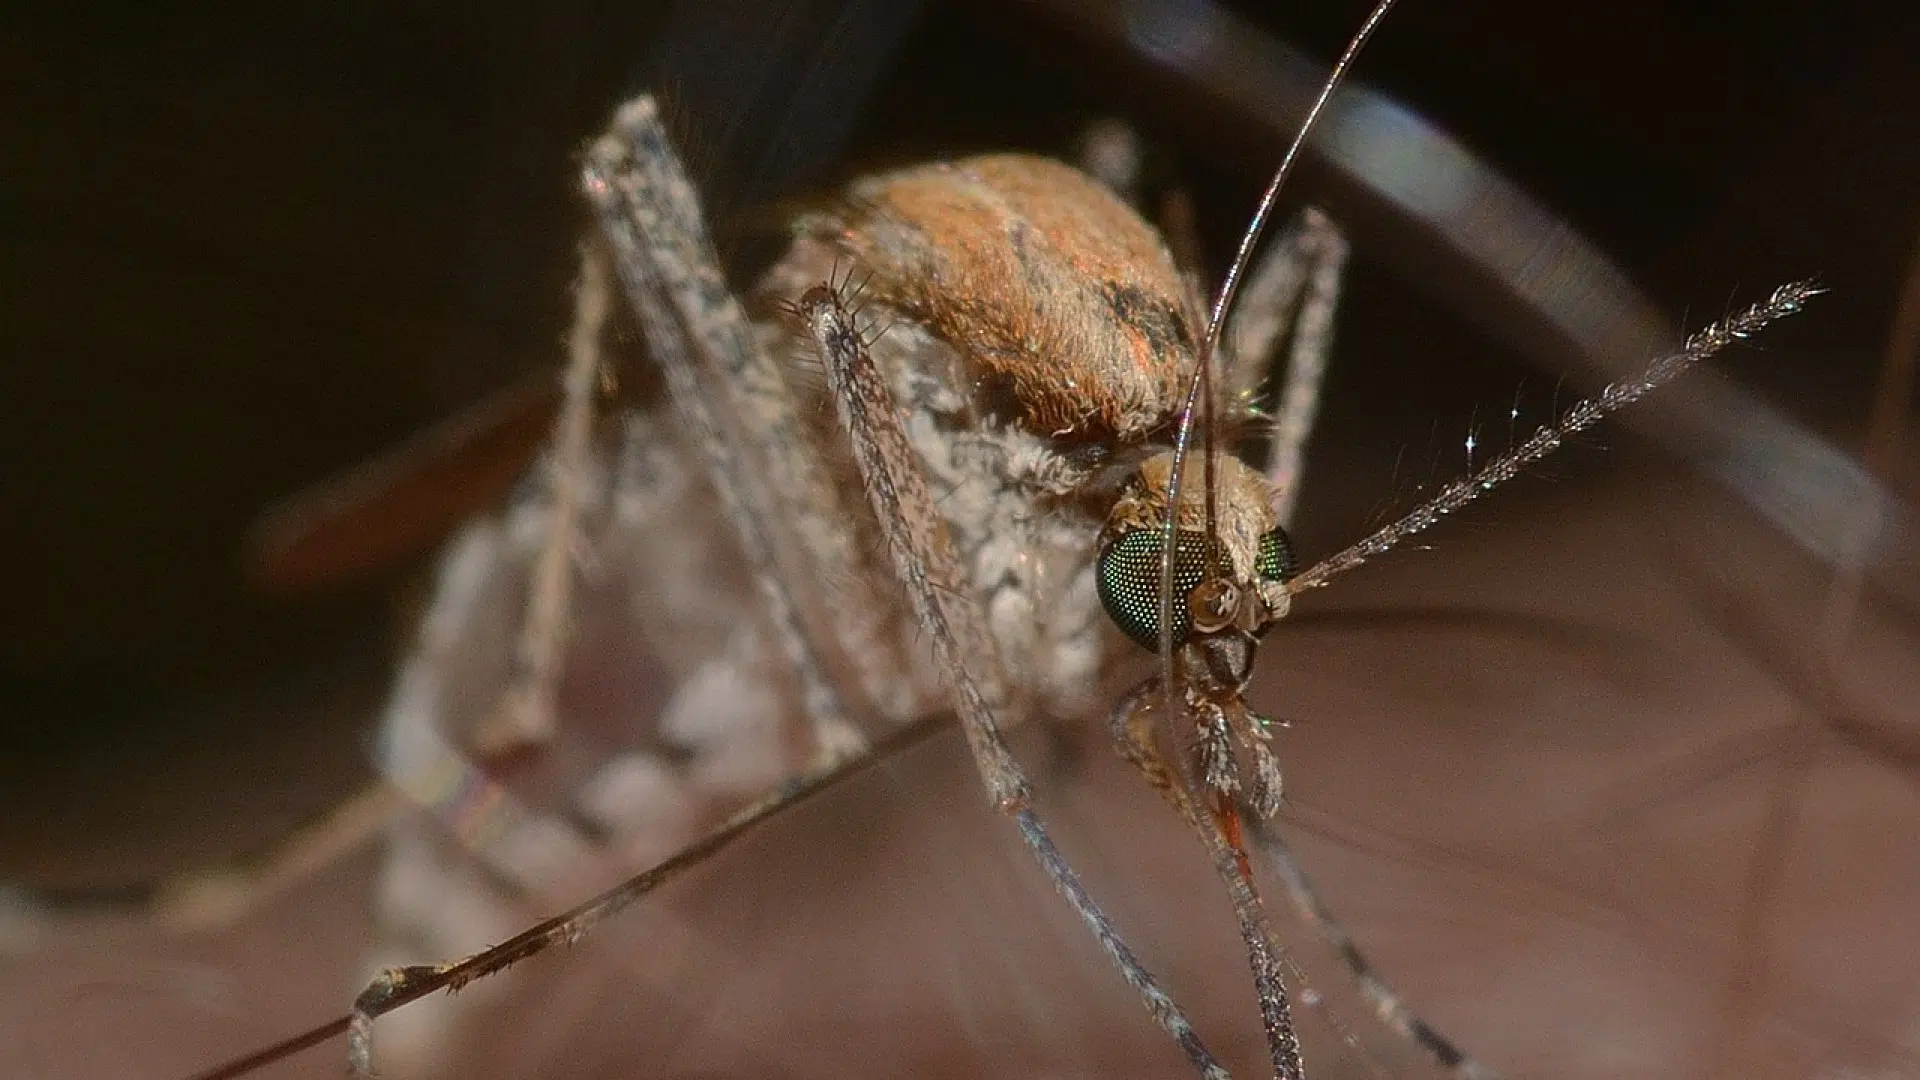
<point x="983" y="402"/>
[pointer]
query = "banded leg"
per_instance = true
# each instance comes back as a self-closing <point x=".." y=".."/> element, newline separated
<point x="930" y="574"/>
<point x="782" y="499"/>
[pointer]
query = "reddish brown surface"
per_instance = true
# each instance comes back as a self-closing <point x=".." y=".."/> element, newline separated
<point x="1536" y="770"/>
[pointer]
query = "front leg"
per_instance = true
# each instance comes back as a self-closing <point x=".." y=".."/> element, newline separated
<point x="929" y="571"/>
<point x="1292" y="295"/>
<point x="780" y="498"/>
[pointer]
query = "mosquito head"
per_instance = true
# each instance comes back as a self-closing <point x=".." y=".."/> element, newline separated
<point x="1231" y="517"/>
<point x="1193" y="561"/>
<point x="1228" y="566"/>
<point x="1230" y="562"/>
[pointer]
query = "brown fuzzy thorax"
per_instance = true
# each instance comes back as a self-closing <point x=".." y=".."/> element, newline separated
<point x="1041" y="277"/>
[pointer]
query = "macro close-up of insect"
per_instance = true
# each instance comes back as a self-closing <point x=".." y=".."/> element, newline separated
<point x="927" y="608"/>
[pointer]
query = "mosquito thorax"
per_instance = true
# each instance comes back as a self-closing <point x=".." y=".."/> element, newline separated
<point x="1043" y="279"/>
<point x="1248" y="550"/>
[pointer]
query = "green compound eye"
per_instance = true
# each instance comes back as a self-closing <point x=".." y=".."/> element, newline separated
<point x="1129" y="582"/>
<point x="1276" y="561"/>
<point x="1128" y="578"/>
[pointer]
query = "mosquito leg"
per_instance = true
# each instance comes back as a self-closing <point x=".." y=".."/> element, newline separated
<point x="1293" y="293"/>
<point x="399" y="986"/>
<point x="469" y="858"/>
<point x="930" y="573"/>
<point x="478" y="860"/>
<point x="641" y="243"/>
<point x="396" y="987"/>
<point x="1133" y="737"/>
<point x="649" y="214"/>
<point x="526" y="713"/>
<point x="432" y="899"/>
<point x="784" y="504"/>
<point x="1384" y="1000"/>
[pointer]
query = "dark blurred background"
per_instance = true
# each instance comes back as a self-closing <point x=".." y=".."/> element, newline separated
<point x="248" y="247"/>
